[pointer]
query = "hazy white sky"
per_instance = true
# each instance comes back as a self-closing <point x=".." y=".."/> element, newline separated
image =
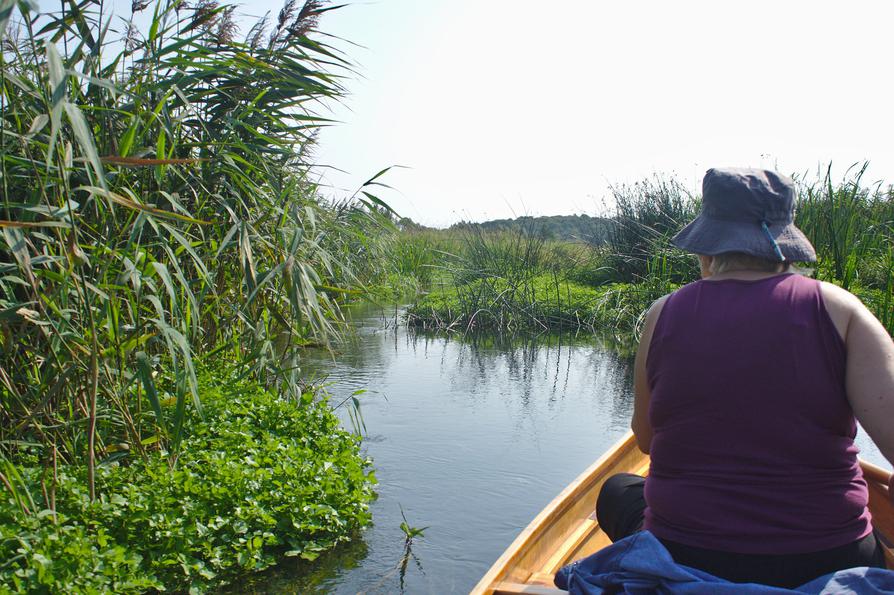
<point x="502" y="107"/>
<point x="508" y="107"/>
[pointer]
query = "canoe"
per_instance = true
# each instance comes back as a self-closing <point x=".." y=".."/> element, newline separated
<point x="566" y="530"/>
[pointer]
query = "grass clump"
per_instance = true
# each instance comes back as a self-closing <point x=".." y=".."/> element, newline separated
<point x="514" y="280"/>
<point x="256" y="477"/>
<point x="544" y="302"/>
<point x="851" y="225"/>
<point x="646" y="216"/>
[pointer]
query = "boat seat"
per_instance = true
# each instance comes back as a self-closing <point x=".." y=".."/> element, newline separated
<point x="508" y="588"/>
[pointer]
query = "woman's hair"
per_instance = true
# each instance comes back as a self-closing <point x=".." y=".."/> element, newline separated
<point x="737" y="261"/>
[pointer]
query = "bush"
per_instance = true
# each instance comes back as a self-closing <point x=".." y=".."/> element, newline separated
<point x="256" y="478"/>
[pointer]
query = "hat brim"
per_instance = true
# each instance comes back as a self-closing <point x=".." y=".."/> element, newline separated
<point x="710" y="236"/>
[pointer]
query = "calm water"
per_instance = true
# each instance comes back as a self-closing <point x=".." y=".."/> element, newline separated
<point x="470" y="439"/>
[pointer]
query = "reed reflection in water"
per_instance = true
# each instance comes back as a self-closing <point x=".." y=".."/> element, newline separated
<point x="471" y="437"/>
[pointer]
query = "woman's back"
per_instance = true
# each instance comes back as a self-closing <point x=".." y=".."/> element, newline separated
<point x="752" y="447"/>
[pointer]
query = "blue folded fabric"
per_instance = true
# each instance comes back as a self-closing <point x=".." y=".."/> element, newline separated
<point x="640" y="564"/>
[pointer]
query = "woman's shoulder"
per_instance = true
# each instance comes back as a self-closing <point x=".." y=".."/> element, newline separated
<point x="838" y="296"/>
<point x="654" y="312"/>
<point x="841" y="306"/>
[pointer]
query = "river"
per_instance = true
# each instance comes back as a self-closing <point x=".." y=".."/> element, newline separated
<point x="470" y="438"/>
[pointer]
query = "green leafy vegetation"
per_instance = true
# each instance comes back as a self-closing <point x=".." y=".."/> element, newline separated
<point x="257" y="477"/>
<point x="541" y="303"/>
<point x="851" y="224"/>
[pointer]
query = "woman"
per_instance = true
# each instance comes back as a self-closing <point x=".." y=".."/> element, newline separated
<point x="747" y="384"/>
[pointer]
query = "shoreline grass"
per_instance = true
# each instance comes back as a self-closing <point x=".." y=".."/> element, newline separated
<point x="516" y="280"/>
<point x="543" y="304"/>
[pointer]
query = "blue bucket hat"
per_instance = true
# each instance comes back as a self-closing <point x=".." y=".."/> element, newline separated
<point x="747" y="210"/>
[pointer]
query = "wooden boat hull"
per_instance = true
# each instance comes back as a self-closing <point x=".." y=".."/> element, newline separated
<point x="566" y="530"/>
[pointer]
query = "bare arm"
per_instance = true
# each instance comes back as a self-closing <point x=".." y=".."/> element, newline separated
<point x="869" y="375"/>
<point x="640" y="425"/>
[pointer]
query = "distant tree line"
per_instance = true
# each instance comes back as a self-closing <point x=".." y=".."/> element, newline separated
<point x="582" y="228"/>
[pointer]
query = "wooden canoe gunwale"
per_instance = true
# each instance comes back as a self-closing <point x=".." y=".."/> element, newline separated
<point x="511" y="566"/>
<point x="552" y="540"/>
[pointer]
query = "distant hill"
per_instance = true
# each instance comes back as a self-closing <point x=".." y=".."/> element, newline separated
<point x="555" y="227"/>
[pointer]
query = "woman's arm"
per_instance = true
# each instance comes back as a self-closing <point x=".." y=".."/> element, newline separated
<point x="869" y="374"/>
<point x="640" y="425"/>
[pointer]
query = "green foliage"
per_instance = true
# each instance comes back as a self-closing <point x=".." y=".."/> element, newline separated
<point x="509" y="280"/>
<point x="68" y="558"/>
<point x="416" y="259"/>
<point x="157" y="206"/>
<point x="256" y="477"/>
<point x="515" y="257"/>
<point x="852" y="228"/>
<point x="409" y="531"/>
<point x="420" y="253"/>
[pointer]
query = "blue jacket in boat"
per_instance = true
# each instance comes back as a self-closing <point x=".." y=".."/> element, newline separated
<point x="639" y="564"/>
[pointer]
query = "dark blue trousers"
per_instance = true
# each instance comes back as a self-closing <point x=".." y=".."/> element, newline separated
<point x="620" y="508"/>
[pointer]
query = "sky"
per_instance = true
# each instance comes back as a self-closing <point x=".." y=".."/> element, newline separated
<point x="502" y="108"/>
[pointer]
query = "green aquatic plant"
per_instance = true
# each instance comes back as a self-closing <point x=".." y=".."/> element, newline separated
<point x="410" y="533"/>
<point x="257" y="477"/>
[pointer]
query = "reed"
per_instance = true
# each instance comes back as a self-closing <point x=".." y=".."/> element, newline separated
<point x="510" y="281"/>
<point x="646" y="215"/>
<point x="425" y="255"/>
<point x="157" y="206"/>
<point x="851" y="224"/>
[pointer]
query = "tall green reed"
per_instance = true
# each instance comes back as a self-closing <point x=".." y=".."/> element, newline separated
<point x="158" y="207"/>
<point x="424" y="254"/>
<point x="646" y="215"/>
<point x="850" y="224"/>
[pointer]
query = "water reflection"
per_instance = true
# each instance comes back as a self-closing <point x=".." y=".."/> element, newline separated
<point x="295" y="575"/>
<point x="471" y="437"/>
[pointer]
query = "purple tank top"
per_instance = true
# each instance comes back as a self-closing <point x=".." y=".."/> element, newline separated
<point x="753" y="437"/>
